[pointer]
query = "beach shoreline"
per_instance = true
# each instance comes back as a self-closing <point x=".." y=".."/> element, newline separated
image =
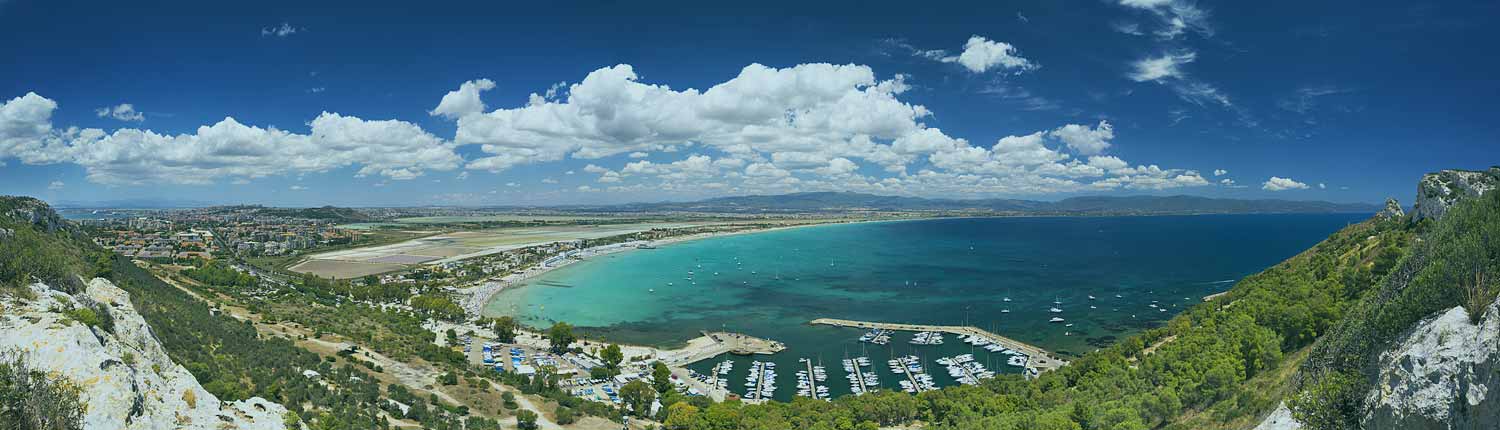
<point x="477" y="297"/>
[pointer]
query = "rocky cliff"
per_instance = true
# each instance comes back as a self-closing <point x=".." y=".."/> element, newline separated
<point x="32" y="211"/>
<point x="1439" y="375"/>
<point x="126" y="377"/>
<point x="1438" y="191"/>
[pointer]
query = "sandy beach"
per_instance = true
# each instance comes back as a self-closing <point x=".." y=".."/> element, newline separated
<point x="477" y="296"/>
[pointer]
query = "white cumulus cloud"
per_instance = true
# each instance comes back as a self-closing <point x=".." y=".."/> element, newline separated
<point x="1085" y="140"/>
<point x="1282" y="184"/>
<point x="464" y="100"/>
<point x="122" y="112"/>
<point x="226" y="150"/>
<point x="981" y="54"/>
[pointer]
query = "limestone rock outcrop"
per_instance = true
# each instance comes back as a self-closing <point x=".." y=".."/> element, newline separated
<point x="127" y="379"/>
<point x="1438" y="191"/>
<point x="1443" y="374"/>
<point x="32" y="211"/>
<point x="1280" y="419"/>
<point x="1392" y="209"/>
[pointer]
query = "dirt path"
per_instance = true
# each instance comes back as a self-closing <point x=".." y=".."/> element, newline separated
<point x="1152" y="349"/>
<point x="414" y="377"/>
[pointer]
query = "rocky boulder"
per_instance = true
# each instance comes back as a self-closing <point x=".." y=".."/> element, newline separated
<point x="1439" y="374"/>
<point x="126" y="377"/>
<point x="1440" y="190"/>
<point x="1280" y="419"/>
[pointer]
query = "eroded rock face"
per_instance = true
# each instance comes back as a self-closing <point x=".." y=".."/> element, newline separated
<point x="32" y="211"/>
<point x="128" y="381"/>
<point x="1440" y="190"/>
<point x="1444" y="374"/>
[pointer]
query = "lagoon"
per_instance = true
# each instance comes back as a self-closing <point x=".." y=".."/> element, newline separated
<point x="953" y="271"/>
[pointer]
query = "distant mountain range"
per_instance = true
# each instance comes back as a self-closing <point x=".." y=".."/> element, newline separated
<point x="814" y="202"/>
<point x="131" y="204"/>
<point x="1095" y="205"/>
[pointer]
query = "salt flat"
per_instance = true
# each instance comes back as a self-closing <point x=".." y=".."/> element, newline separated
<point x="459" y="245"/>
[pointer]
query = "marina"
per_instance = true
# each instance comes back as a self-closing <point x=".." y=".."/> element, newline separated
<point x="877" y="336"/>
<point x="917" y="379"/>
<point x="1037" y="359"/>
<point x="964" y="369"/>
<point x="810" y="381"/>
<point x="761" y="383"/>
<point x="861" y="376"/>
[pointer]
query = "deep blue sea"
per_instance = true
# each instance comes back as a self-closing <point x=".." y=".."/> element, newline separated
<point x="941" y="271"/>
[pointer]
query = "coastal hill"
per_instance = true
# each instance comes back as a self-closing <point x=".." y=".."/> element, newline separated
<point x="1388" y="323"/>
<point x="1089" y="205"/>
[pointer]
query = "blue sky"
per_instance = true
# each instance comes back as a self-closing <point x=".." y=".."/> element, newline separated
<point x="423" y="103"/>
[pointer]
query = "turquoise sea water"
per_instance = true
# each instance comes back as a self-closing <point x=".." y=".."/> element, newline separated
<point x="943" y="271"/>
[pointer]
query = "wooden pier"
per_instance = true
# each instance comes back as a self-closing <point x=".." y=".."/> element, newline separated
<point x="859" y="374"/>
<point x="760" y="383"/>
<point x="965" y="369"/>
<point x="1040" y="360"/>
<point x="911" y="377"/>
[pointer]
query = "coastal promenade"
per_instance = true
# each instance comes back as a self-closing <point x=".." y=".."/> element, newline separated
<point x="1040" y="360"/>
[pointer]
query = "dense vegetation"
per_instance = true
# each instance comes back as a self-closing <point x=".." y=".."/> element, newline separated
<point x="217" y="273"/>
<point x="1455" y="264"/>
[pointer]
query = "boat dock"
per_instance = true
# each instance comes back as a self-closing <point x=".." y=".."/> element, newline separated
<point x="859" y="378"/>
<point x="912" y="378"/>
<point x="966" y="372"/>
<point x="812" y="382"/>
<point x="1040" y="360"/>
<point x="761" y="381"/>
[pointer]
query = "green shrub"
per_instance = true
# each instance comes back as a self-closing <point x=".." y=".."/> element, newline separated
<point x="32" y="399"/>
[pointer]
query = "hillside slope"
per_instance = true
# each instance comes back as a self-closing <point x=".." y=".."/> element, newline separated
<point x="127" y="380"/>
<point x="1455" y="264"/>
<point x="229" y="358"/>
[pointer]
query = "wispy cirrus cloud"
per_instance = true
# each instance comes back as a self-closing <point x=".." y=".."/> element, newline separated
<point x="1175" y="18"/>
<point x="283" y="30"/>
